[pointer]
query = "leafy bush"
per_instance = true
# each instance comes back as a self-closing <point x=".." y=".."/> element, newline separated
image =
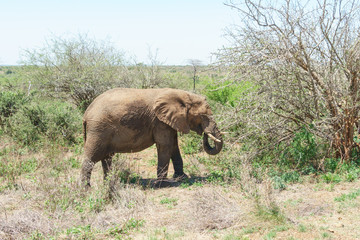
<point x="352" y="175"/>
<point x="54" y="121"/>
<point x="278" y="183"/>
<point x="10" y="103"/>
<point x="350" y="171"/>
<point x="36" y="116"/>
<point x="191" y="143"/>
<point x="301" y="151"/>
<point x="223" y="169"/>
<point x="331" y="177"/>
<point x="331" y="164"/>
<point x="63" y="120"/>
<point x="227" y="92"/>
<point x="9" y="72"/>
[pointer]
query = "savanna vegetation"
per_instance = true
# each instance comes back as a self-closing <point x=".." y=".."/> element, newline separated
<point x="285" y="92"/>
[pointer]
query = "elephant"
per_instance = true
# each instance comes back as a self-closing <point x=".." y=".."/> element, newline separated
<point x="125" y="120"/>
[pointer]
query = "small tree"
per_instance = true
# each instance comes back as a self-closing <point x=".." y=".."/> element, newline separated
<point x="304" y="58"/>
<point x="80" y="68"/>
<point x="195" y="63"/>
<point x="148" y="75"/>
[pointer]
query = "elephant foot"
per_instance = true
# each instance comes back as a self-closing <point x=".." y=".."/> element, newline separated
<point x="180" y="177"/>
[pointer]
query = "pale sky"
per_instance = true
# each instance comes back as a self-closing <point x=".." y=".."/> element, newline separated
<point x="178" y="29"/>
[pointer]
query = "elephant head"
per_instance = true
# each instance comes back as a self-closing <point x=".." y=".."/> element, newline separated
<point x="184" y="111"/>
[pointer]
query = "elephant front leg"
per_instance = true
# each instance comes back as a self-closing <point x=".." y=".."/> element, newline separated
<point x="178" y="162"/>
<point x="163" y="161"/>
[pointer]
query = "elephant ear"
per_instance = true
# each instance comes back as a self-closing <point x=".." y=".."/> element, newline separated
<point x="171" y="108"/>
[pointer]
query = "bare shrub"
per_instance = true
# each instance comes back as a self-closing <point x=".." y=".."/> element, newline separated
<point x="147" y="74"/>
<point x="303" y="58"/>
<point x="23" y="222"/>
<point x="125" y="201"/>
<point x="127" y="196"/>
<point x="80" y="68"/>
<point x="119" y="192"/>
<point x="128" y="202"/>
<point x="211" y="209"/>
<point x="260" y="190"/>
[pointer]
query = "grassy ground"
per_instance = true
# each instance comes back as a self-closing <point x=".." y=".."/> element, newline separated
<point x="40" y="199"/>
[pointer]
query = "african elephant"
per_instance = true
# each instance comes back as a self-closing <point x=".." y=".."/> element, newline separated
<point x="130" y="120"/>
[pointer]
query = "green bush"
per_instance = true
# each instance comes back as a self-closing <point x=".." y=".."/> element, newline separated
<point x="352" y="175"/>
<point x="10" y="103"/>
<point x="291" y="177"/>
<point x="22" y="130"/>
<point x="301" y="152"/>
<point x="64" y="121"/>
<point x="227" y="92"/>
<point x="331" y="177"/>
<point x="191" y="143"/>
<point x="37" y="117"/>
<point x="223" y="168"/>
<point x="280" y="180"/>
<point x="278" y="183"/>
<point x="55" y="121"/>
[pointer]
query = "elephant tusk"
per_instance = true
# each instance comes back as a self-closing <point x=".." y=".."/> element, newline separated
<point x="213" y="138"/>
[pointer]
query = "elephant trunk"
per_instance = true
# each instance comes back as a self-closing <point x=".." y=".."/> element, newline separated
<point x="211" y="130"/>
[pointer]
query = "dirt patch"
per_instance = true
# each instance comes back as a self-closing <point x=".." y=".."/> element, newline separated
<point x="313" y="206"/>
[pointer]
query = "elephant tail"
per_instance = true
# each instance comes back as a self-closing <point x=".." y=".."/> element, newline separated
<point x="84" y="130"/>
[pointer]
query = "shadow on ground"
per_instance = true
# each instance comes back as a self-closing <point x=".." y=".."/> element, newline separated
<point x="166" y="183"/>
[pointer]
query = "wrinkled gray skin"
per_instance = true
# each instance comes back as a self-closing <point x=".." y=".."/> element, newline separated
<point x="131" y="120"/>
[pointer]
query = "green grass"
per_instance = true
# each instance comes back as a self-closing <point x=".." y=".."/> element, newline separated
<point x="331" y="177"/>
<point x="326" y="235"/>
<point x="170" y="202"/>
<point x="348" y="197"/>
<point x="302" y="228"/>
<point x="131" y="225"/>
<point x="167" y="200"/>
<point x="164" y="234"/>
<point x="270" y="213"/>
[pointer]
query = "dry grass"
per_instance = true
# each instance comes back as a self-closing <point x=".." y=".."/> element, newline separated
<point x="47" y="202"/>
<point x="210" y="208"/>
<point x="23" y="222"/>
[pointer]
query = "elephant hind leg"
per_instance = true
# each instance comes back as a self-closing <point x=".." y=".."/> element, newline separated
<point x="86" y="170"/>
<point x="106" y="165"/>
<point x="93" y="153"/>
